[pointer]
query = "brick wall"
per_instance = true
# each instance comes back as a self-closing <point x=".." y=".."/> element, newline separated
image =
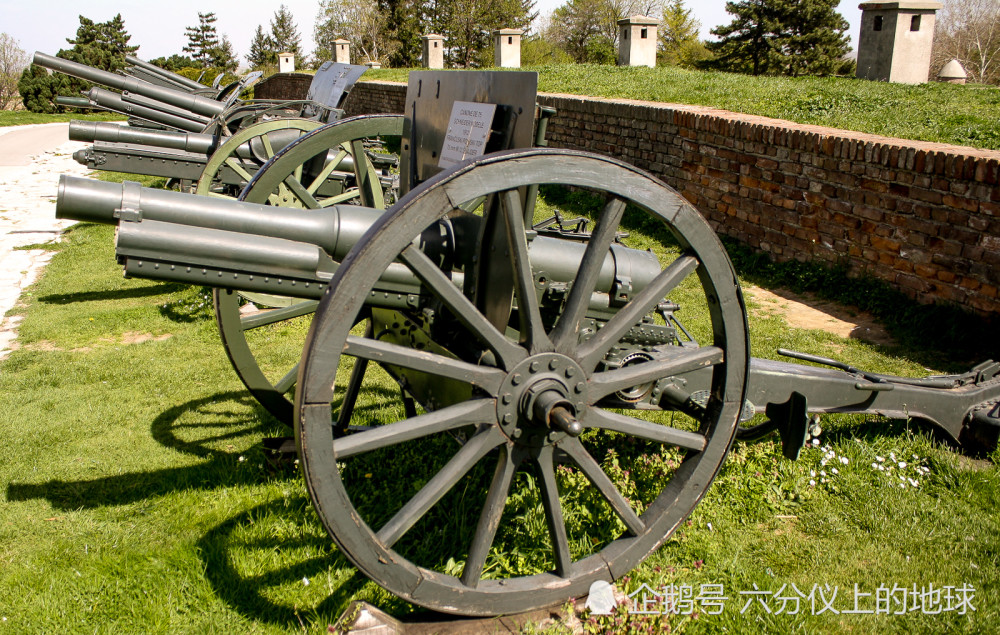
<point x="284" y="86"/>
<point x="924" y="217"/>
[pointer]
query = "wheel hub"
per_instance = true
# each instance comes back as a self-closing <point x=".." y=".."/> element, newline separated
<point x="542" y="399"/>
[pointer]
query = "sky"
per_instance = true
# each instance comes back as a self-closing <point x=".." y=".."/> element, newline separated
<point x="158" y="29"/>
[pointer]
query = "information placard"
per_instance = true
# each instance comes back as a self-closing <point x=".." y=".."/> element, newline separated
<point x="468" y="127"/>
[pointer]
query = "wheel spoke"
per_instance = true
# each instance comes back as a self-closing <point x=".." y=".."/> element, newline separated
<point x="268" y="150"/>
<point x="565" y="336"/>
<point x="285" y="383"/>
<point x="325" y="172"/>
<point x="673" y="360"/>
<point x="592" y="470"/>
<point x="489" y="520"/>
<point x="532" y="328"/>
<point x="484" y="377"/>
<point x="597" y="418"/>
<point x="237" y="167"/>
<point x="449" y="418"/>
<point x="296" y="187"/>
<point x="553" y="511"/>
<point x="475" y="449"/>
<point x="593" y="350"/>
<point x="271" y="316"/>
<point x="368" y="183"/>
<point x="461" y="307"/>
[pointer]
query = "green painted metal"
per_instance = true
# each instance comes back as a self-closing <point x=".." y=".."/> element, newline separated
<point x="260" y="139"/>
<point x="284" y="181"/>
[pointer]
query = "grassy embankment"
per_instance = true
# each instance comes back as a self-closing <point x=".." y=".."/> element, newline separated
<point x="962" y="115"/>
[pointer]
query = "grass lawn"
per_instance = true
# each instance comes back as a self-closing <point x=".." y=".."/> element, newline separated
<point x="137" y="498"/>
<point x="23" y="117"/>
<point x="946" y="113"/>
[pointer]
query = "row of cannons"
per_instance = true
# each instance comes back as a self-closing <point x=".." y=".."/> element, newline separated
<point x="421" y="246"/>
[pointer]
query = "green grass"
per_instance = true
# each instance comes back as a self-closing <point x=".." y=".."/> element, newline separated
<point x="137" y="498"/>
<point x="946" y="113"/>
<point x="24" y="117"/>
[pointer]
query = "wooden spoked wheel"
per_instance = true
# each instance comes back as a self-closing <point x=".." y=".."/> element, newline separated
<point x="443" y="526"/>
<point x="295" y="177"/>
<point x="243" y="154"/>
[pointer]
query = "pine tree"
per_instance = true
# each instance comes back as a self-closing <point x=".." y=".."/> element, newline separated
<point x="405" y="27"/>
<point x="284" y="34"/>
<point x="790" y="37"/>
<point x="102" y="45"/>
<point x="202" y="39"/>
<point x="679" y="41"/>
<point x="223" y="56"/>
<point x="262" y="51"/>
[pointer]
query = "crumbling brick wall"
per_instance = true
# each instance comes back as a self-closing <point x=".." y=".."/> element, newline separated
<point x="924" y="217"/>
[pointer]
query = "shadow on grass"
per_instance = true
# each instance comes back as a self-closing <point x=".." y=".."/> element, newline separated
<point x="213" y="428"/>
<point x="118" y="294"/>
<point x="238" y="555"/>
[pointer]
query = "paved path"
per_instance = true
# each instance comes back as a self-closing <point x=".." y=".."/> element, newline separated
<point x="31" y="160"/>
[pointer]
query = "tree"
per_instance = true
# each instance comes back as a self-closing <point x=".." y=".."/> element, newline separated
<point x="202" y="39"/>
<point x="679" y="41"/>
<point x="99" y="44"/>
<point x="224" y="56"/>
<point x="588" y="29"/>
<point x="468" y="25"/>
<point x="363" y="24"/>
<point x="790" y="37"/>
<point x="174" y="63"/>
<point x="262" y="50"/>
<point x="13" y="61"/>
<point x="284" y="33"/>
<point x="969" y="31"/>
<point x="405" y="23"/>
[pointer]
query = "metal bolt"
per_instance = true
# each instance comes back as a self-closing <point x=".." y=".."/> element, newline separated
<point x="570" y="371"/>
<point x="506" y="399"/>
<point x="507" y="418"/>
<point x="516" y="379"/>
<point x="579" y="387"/>
<point x="533" y="367"/>
<point x="553" y="364"/>
<point x="517" y="433"/>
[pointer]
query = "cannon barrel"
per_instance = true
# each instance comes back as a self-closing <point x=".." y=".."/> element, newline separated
<point x="91" y="131"/>
<point x="335" y="229"/>
<point x="113" y="101"/>
<point x="181" y="99"/>
<point x="148" y="102"/>
<point x="201" y="143"/>
<point x="164" y="73"/>
<point x="73" y="102"/>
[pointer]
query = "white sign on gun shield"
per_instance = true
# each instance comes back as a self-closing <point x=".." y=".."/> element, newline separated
<point x="468" y="128"/>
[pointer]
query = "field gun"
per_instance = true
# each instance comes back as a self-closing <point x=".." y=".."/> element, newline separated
<point x="520" y="349"/>
<point x="153" y="74"/>
<point x="223" y="112"/>
<point x="209" y="146"/>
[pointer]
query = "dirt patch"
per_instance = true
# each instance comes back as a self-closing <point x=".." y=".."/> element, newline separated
<point x="135" y="337"/>
<point x="809" y="312"/>
<point x="130" y="337"/>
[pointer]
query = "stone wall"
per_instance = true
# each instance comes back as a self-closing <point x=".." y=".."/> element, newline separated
<point x="924" y="217"/>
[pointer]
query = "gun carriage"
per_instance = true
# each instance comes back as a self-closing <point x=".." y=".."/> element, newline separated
<point x="520" y="348"/>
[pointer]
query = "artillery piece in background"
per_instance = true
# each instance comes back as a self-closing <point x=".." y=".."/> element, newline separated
<point x="531" y="349"/>
<point x="216" y="145"/>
